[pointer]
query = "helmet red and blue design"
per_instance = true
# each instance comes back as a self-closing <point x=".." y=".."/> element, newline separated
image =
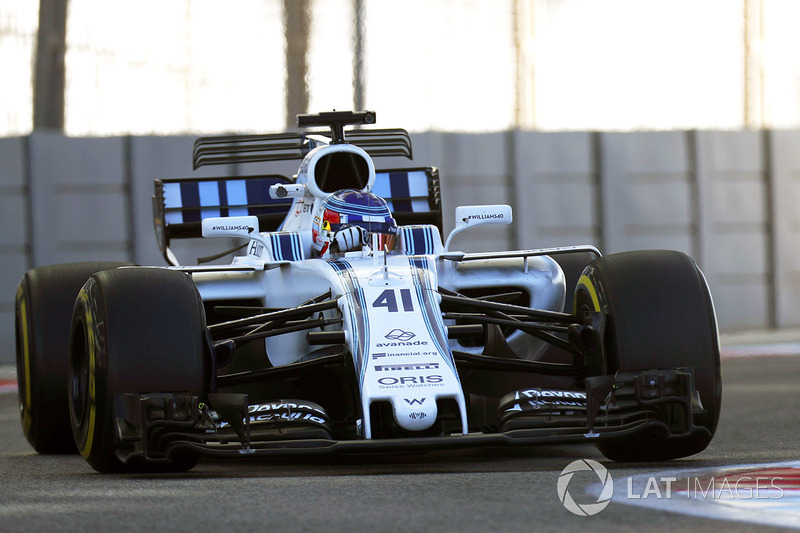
<point x="352" y="208"/>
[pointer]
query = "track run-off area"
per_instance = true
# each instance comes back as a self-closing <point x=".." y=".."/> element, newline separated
<point x="748" y="477"/>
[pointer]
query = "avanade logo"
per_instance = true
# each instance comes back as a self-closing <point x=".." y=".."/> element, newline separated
<point x="400" y="335"/>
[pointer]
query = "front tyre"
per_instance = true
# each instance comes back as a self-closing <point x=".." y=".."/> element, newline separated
<point x="134" y="330"/>
<point x="659" y="315"/>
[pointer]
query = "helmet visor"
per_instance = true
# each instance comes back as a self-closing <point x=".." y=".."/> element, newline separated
<point x="386" y="241"/>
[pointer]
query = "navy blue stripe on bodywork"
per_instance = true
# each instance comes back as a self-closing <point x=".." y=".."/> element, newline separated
<point x="427" y="238"/>
<point x="294" y="245"/>
<point x="257" y="196"/>
<point x="430" y="312"/>
<point x="287" y="243"/>
<point x="190" y="201"/>
<point x="398" y="184"/>
<point x="223" y="198"/>
<point x="418" y="240"/>
<point x="286" y="246"/>
<point x="422" y="240"/>
<point x="409" y="244"/>
<point x="276" y="249"/>
<point x="358" y="318"/>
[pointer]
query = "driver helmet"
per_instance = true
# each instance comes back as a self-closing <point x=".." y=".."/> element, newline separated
<point x="352" y="213"/>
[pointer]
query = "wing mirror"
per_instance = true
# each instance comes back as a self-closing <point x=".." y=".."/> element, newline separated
<point x="243" y="227"/>
<point x="246" y="227"/>
<point x="287" y="190"/>
<point x="468" y="216"/>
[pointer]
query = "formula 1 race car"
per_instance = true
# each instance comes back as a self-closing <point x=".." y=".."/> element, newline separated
<point x="348" y="326"/>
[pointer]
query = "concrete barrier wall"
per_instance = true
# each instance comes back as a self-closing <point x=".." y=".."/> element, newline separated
<point x="734" y="246"/>
<point x="784" y="164"/>
<point x="725" y="198"/>
<point x="80" y="199"/>
<point x="555" y="189"/>
<point x="474" y="170"/>
<point x="15" y="236"/>
<point x="646" y="192"/>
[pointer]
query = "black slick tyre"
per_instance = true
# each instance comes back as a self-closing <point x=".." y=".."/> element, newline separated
<point x="136" y="330"/>
<point x="43" y="314"/>
<point x="659" y="315"/>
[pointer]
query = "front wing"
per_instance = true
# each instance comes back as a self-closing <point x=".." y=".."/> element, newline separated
<point x="155" y="427"/>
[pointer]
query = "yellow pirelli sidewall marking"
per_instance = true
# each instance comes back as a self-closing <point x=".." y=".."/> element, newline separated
<point x="586" y="282"/>
<point x="26" y="359"/>
<point x="92" y="349"/>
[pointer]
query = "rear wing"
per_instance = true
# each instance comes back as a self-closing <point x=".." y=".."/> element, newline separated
<point x="180" y="204"/>
<point x="232" y="149"/>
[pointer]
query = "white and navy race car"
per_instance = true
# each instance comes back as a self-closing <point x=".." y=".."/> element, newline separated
<point x="348" y="325"/>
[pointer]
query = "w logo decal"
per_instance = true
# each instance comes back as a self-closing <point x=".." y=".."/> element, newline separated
<point x="414" y="401"/>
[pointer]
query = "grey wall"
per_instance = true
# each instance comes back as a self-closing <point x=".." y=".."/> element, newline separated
<point x="15" y="236"/>
<point x="784" y="161"/>
<point x="725" y="198"/>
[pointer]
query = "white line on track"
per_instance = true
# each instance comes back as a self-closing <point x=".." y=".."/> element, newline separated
<point x="761" y="350"/>
<point x="765" y="494"/>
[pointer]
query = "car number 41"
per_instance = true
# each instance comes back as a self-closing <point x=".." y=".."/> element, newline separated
<point x="388" y="299"/>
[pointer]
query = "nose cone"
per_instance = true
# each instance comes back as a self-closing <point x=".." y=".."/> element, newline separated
<point x="415" y="414"/>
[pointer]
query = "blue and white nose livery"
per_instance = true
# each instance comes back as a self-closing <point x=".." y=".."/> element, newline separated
<point x="398" y="340"/>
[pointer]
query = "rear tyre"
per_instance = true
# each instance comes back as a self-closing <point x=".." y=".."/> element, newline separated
<point x="659" y="315"/>
<point x="43" y="314"/>
<point x="133" y="331"/>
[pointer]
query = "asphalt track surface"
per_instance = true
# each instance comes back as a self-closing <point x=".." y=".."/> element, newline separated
<point x="469" y="490"/>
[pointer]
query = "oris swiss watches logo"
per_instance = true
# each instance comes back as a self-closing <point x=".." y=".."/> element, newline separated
<point x="585" y="509"/>
<point x="399" y="335"/>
